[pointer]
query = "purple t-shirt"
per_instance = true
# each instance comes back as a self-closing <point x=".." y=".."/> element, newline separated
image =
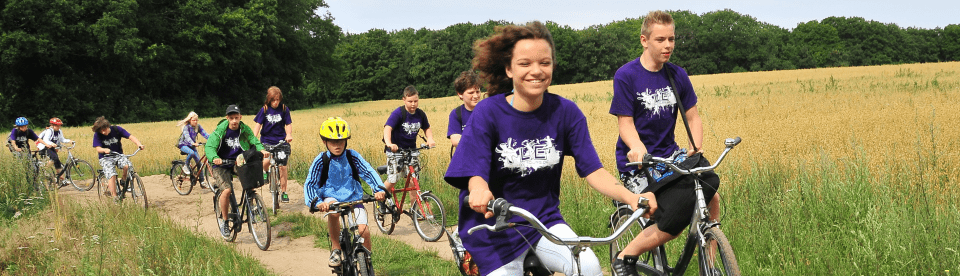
<point x="110" y="141"/>
<point x="456" y="126"/>
<point x="21" y="137"/>
<point x="229" y="147"/>
<point x="405" y="133"/>
<point x="272" y="122"/>
<point x="646" y="96"/>
<point x="520" y="155"/>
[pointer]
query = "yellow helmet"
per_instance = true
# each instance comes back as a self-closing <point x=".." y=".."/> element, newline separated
<point x="334" y="128"/>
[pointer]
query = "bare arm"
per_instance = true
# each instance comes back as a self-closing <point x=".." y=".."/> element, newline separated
<point x="387" y="133"/>
<point x="455" y="139"/>
<point x="430" y="141"/>
<point x="603" y="182"/>
<point x="629" y="135"/>
<point x="696" y="128"/>
<point x="289" y="130"/>
<point x="256" y="130"/>
<point x="137" y="141"/>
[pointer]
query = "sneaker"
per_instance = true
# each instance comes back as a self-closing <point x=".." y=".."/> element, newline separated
<point x="626" y="266"/>
<point x="225" y="230"/>
<point x="335" y="258"/>
<point x="65" y="182"/>
<point x="185" y="170"/>
<point x="284" y="198"/>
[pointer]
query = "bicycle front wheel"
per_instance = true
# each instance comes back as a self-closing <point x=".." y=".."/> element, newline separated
<point x="651" y="258"/>
<point x="363" y="263"/>
<point x="137" y="193"/>
<point x="258" y="221"/>
<point x="207" y="178"/>
<point x="274" y="189"/>
<point x="428" y="217"/>
<point x="384" y="221"/>
<point x="82" y="175"/>
<point x="102" y="190"/>
<point x="717" y="258"/>
<point x="45" y="181"/>
<point x="180" y="180"/>
<point x="219" y="215"/>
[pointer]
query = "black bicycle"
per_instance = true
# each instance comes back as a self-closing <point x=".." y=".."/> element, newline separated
<point x="250" y="210"/>
<point x="715" y="256"/>
<point x="355" y="257"/>
<point x="128" y="184"/>
<point x="274" y="174"/>
<point x="183" y="182"/>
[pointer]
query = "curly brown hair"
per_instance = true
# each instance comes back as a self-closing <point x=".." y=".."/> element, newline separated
<point x="467" y="79"/>
<point x="493" y="54"/>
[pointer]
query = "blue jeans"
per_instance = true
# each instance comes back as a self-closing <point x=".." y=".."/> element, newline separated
<point x="192" y="155"/>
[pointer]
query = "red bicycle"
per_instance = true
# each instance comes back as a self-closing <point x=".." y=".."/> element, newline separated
<point x="427" y="212"/>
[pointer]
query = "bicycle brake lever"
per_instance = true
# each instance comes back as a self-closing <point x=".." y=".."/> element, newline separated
<point x="313" y="206"/>
<point x="478" y="227"/>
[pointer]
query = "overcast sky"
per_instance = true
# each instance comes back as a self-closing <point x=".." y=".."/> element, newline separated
<point x="357" y="16"/>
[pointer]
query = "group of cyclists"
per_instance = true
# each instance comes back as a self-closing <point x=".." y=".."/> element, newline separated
<point x="510" y="146"/>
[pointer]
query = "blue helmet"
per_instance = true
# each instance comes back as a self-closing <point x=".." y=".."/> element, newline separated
<point x="22" y="121"/>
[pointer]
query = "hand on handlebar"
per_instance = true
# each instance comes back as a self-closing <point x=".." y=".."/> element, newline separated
<point x="651" y="204"/>
<point x="380" y="196"/>
<point x="324" y="206"/>
<point x="478" y="200"/>
<point x="218" y="161"/>
<point x="393" y="147"/>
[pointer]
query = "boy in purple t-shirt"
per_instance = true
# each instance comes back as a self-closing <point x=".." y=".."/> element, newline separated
<point x="231" y="138"/>
<point x="467" y="86"/>
<point x="20" y="135"/>
<point x="646" y="111"/>
<point x="272" y="125"/>
<point x="513" y="148"/>
<point x="400" y="132"/>
<point x="106" y="139"/>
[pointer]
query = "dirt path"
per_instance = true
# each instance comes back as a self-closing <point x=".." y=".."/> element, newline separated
<point x="285" y="256"/>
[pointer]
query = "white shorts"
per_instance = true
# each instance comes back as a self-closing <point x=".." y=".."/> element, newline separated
<point x="359" y="214"/>
<point x="109" y="165"/>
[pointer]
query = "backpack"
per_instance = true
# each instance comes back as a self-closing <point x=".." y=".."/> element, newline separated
<point x="326" y="168"/>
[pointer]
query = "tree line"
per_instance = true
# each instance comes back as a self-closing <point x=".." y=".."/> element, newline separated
<point x="155" y="60"/>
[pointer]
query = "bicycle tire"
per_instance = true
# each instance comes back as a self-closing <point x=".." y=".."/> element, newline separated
<point x="137" y="192"/>
<point x="181" y="182"/>
<point x="82" y="175"/>
<point x="207" y="177"/>
<point x="275" y="189"/>
<point x="428" y="217"/>
<point x="258" y="221"/>
<point x="363" y="263"/>
<point x="385" y="222"/>
<point x="709" y="264"/>
<point x="219" y="217"/>
<point x="102" y="187"/>
<point x="44" y="181"/>
<point x="651" y="258"/>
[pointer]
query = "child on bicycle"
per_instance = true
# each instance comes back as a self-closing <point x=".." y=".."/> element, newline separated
<point x="231" y="138"/>
<point x="190" y="128"/>
<point x="646" y="111"/>
<point x="513" y="148"/>
<point x="50" y="139"/>
<point x="272" y="125"/>
<point x="343" y="168"/>
<point x="20" y="136"/>
<point x="400" y="132"/>
<point x="106" y="139"/>
<point x="467" y="86"/>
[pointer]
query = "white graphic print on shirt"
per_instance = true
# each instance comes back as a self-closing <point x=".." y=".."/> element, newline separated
<point x="233" y="143"/>
<point x="274" y="118"/>
<point x="110" y="141"/>
<point x="411" y="128"/>
<point x="530" y="156"/>
<point x="656" y="101"/>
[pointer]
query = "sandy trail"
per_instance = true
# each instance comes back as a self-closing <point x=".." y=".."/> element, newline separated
<point x="285" y="256"/>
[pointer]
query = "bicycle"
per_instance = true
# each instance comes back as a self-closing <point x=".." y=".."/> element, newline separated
<point x="427" y="211"/>
<point x="180" y="180"/>
<point x="703" y="235"/>
<point x="355" y="257"/>
<point x="274" y="175"/>
<point x="130" y="183"/>
<point x="78" y="172"/>
<point x="250" y="210"/>
<point x="504" y="211"/>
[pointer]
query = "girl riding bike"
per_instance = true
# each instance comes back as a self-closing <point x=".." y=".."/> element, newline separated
<point x="188" y="140"/>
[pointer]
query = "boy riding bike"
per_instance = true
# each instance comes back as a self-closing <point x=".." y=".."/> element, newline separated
<point x="50" y="139"/>
<point x="335" y="177"/>
<point x="400" y="132"/>
<point x="106" y="139"/>
<point x="231" y="138"/>
<point x="20" y="135"/>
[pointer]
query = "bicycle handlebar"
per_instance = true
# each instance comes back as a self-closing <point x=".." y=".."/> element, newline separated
<point x="652" y="160"/>
<point x="113" y="153"/>
<point x="503" y="210"/>
<point x="272" y="148"/>
<point x="336" y="207"/>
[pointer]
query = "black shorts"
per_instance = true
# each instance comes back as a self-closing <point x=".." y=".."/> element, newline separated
<point x="676" y="201"/>
<point x="282" y="154"/>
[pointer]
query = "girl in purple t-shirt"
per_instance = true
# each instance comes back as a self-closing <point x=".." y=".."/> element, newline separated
<point x="272" y="125"/>
<point x="513" y="148"/>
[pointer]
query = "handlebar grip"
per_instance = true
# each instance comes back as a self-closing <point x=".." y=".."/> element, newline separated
<point x="730" y="142"/>
<point x="313" y="205"/>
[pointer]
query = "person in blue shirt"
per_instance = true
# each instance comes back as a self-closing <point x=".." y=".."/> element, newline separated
<point x="342" y="184"/>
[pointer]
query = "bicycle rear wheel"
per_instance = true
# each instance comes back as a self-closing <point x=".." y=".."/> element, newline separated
<point x="274" y="189"/>
<point x="220" y="222"/>
<point x="137" y="192"/>
<point x="82" y="175"/>
<point x="717" y="258"/>
<point x="258" y="221"/>
<point x="180" y="180"/>
<point x="386" y="222"/>
<point x="428" y="217"/>
<point x="363" y="263"/>
<point x="651" y="258"/>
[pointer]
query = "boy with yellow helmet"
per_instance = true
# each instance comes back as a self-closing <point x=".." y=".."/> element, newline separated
<point x="335" y="177"/>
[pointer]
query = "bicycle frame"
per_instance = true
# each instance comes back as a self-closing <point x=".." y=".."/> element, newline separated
<point x="351" y="242"/>
<point x="411" y="174"/>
